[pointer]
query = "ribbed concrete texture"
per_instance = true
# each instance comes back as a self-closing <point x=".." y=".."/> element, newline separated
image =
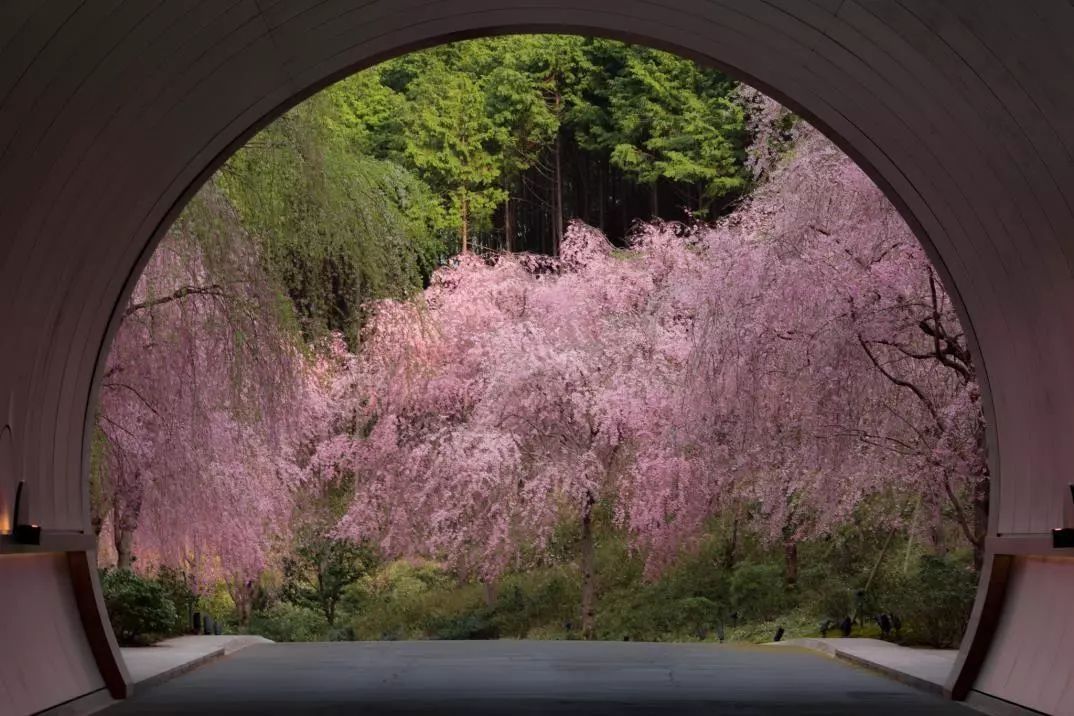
<point x="112" y="112"/>
<point x="534" y="677"/>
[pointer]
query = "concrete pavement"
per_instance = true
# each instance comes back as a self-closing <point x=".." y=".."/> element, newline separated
<point x="926" y="669"/>
<point x="531" y="677"/>
<point x="150" y="665"/>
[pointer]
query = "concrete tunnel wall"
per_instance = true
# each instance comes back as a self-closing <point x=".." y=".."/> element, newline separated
<point x="112" y="112"/>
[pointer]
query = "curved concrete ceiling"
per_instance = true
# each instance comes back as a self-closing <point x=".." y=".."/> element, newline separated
<point x="113" y="112"/>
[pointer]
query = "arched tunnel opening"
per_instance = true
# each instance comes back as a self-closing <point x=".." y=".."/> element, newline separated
<point x="970" y="172"/>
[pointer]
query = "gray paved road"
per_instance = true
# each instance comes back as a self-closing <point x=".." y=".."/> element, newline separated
<point x="531" y="677"/>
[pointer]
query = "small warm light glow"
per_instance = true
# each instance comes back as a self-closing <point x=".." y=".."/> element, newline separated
<point x="35" y="525"/>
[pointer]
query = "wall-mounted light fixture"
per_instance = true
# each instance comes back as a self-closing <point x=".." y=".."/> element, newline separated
<point x="24" y="533"/>
<point x="1063" y="537"/>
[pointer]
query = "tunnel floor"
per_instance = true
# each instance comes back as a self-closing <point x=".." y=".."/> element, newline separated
<point x="530" y="677"/>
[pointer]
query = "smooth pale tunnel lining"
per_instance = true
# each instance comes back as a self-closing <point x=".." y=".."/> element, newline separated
<point x="111" y="115"/>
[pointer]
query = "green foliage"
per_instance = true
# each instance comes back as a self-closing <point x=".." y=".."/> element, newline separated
<point x="757" y="591"/>
<point x="337" y="227"/>
<point x="284" y="621"/>
<point x="138" y="607"/>
<point x="451" y="142"/>
<point x="362" y="190"/>
<point x="934" y="604"/>
<point x="319" y="568"/>
<point x="475" y="624"/>
<point x="695" y="599"/>
<point x="546" y="596"/>
<point x="218" y="604"/>
<point x="484" y="121"/>
<point x="834" y="600"/>
<point x="664" y="117"/>
<point x="180" y="591"/>
<point x="400" y="598"/>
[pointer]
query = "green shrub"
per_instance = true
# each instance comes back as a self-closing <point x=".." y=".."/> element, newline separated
<point x="833" y="600"/>
<point x="547" y="596"/>
<point x="177" y="587"/>
<point x="697" y="615"/>
<point x="757" y="591"/>
<point x="284" y="621"/>
<point x="479" y="624"/>
<point x="138" y="607"/>
<point x="344" y="633"/>
<point x="512" y="612"/>
<point x="935" y="605"/>
<point x="219" y="605"/>
<point x="796" y="623"/>
<point x="407" y="600"/>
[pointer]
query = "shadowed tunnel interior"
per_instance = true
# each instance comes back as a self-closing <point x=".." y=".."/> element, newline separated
<point x="113" y="113"/>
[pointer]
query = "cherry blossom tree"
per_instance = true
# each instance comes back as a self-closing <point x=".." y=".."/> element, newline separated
<point x="834" y="367"/>
<point x="799" y="356"/>
<point x="194" y="409"/>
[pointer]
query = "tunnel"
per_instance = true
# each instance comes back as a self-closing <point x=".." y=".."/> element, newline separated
<point x="114" y="112"/>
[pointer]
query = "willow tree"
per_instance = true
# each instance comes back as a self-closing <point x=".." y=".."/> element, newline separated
<point x="194" y="463"/>
<point x="335" y="226"/>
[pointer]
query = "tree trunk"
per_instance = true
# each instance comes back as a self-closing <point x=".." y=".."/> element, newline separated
<point x="557" y="200"/>
<point x="656" y="200"/>
<point x="790" y="563"/>
<point x="465" y="215"/>
<point x="509" y="223"/>
<point x="242" y="593"/>
<point x="981" y="492"/>
<point x="583" y="172"/>
<point x="603" y="192"/>
<point x="936" y="533"/>
<point x="97" y="522"/>
<point x="910" y="537"/>
<point x="328" y="603"/>
<point x="126" y="509"/>
<point x="730" y="555"/>
<point x="124" y="541"/>
<point x="588" y="559"/>
<point x="880" y="559"/>
<point x="490" y="592"/>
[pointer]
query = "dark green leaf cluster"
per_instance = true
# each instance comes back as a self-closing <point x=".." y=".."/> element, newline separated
<point x="336" y="227"/>
<point x="285" y="621"/>
<point x="935" y="603"/>
<point x="138" y="607"/>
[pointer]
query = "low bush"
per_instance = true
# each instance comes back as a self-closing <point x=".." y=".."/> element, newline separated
<point x="757" y="591"/>
<point x="218" y="604"/>
<point x="284" y="621"/>
<point x="178" y="588"/>
<point x="478" y="624"/>
<point x="833" y="600"/>
<point x="411" y="600"/>
<point x="935" y="605"/>
<point x="138" y="607"/>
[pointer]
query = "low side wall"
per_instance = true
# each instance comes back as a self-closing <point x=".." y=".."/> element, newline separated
<point x="1031" y="661"/>
<point x="46" y="657"/>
